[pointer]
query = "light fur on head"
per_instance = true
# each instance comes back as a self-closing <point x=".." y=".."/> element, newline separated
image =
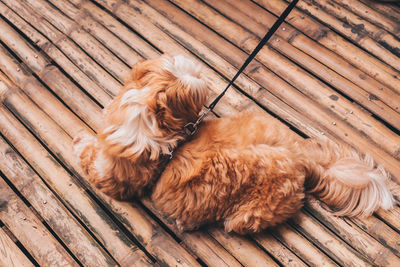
<point x="186" y="70"/>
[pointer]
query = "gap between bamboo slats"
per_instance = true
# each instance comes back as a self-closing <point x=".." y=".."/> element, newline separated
<point x="74" y="128"/>
<point x="28" y="229"/>
<point x="333" y="246"/>
<point x="391" y="217"/>
<point x="74" y="236"/>
<point x="10" y="254"/>
<point x="381" y="231"/>
<point x="390" y="162"/>
<point x="36" y="91"/>
<point x="365" y="62"/>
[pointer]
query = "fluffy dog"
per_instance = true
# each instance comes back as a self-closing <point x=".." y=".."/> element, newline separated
<point x="247" y="171"/>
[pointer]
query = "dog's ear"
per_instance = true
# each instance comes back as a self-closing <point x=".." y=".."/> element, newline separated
<point x="140" y="70"/>
<point x="187" y="92"/>
<point x="177" y="105"/>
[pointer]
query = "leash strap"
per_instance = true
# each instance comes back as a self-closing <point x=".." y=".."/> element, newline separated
<point x="191" y="127"/>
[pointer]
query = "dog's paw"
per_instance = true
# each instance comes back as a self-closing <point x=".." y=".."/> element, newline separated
<point x="81" y="141"/>
<point x="179" y="226"/>
<point x="185" y="227"/>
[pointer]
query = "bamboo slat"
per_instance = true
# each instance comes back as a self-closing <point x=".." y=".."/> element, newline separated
<point x="311" y="255"/>
<point x="371" y="15"/>
<point x="278" y="250"/>
<point x="354" y="236"/>
<point x="10" y="254"/>
<point x="365" y="62"/>
<point x="161" y="245"/>
<point x="391" y="217"/>
<point x="389" y="10"/>
<point x="329" y="122"/>
<point x="28" y="229"/>
<point x="123" y="250"/>
<point x="242" y="249"/>
<point x="63" y="51"/>
<point x="150" y="234"/>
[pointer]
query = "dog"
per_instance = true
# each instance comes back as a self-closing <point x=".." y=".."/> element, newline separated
<point x="247" y="171"/>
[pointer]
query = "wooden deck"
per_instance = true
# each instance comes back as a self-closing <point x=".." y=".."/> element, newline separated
<point x="333" y="70"/>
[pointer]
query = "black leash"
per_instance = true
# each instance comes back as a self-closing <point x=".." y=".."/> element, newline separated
<point x="191" y="127"/>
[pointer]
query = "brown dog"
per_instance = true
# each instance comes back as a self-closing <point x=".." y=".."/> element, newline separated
<point x="246" y="170"/>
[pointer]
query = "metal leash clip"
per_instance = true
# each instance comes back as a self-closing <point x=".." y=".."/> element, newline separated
<point x="191" y="127"/>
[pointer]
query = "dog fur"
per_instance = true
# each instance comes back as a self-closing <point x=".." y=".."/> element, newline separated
<point x="247" y="171"/>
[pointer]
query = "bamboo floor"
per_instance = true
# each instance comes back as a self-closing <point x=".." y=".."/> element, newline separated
<point x="333" y="70"/>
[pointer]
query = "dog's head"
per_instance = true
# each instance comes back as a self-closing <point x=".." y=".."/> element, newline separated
<point x="160" y="98"/>
<point x="175" y="91"/>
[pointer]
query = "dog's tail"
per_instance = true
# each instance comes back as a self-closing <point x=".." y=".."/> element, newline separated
<point x="350" y="183"/>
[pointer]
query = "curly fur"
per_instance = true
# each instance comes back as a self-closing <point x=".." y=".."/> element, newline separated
<point x="247" y="171"/>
